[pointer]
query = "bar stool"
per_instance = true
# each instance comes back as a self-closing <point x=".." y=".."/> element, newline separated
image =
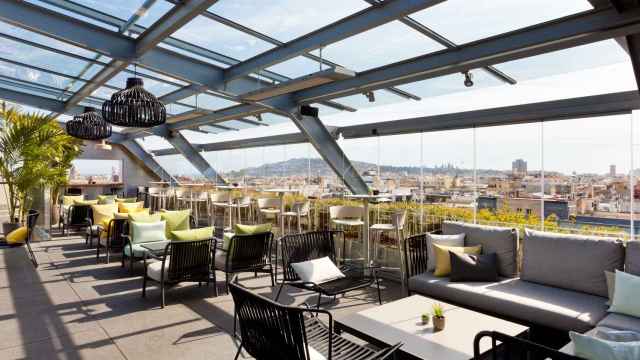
<point x="398" y="220"/>
<point x="196" y="202"/>
<point x="157" y="198"/>
<point x="182" y="197"/>
<point x="298" y="210"/>
<point x="220" y="200"/>
<point x="269" y="207"/>
<point x="347" y="217"/>
<point x="243" y="203"/>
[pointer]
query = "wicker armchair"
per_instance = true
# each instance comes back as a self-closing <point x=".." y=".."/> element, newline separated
<point x="314" y="245"/>
<point x="115" y="239"/>
<point x="32" y="217"/>
<point x="245" y="253"/>
<point x="79" y="217"/>
<point x="273" y="331"/>
<point x="511" y="348"/>
<point x="182" y="261"/>
<point x="415" y="255"/>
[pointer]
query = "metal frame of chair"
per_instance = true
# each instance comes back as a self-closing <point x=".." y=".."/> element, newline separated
<point x="415" y="256"/>
<point x="314" y="245"/>
<point x="78" y="216"/>
<point x="247" y="253"/>
<point x="115" y="238"/>
<point x="270" y="330"/>
<point x="32" y="217"/>
<point x="507" y="347"/>
<point x="188" y="261"/>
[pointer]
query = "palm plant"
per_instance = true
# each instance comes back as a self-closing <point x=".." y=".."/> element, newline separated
<point x="35" y="152"/>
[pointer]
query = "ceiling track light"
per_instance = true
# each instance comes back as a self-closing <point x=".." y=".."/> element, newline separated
<point x="468" y="79"/>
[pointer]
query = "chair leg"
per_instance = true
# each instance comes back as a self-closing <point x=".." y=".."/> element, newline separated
<point x="98" y="252"/>
<point x="226" y="282"/>
<point x="239" y="351"/>
<point x="215" y="284"/>
<point x="162" y="291"/>
<point x="279" y="291"/>
<point x="235" y="322"/>
<point x="318" y="304"/>
<point x="144" y="286"/>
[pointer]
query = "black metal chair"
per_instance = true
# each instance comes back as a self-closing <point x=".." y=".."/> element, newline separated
<point x="505" y="347"/>
<point x="32" y="218"/>
<point x="415" y="254"/>
<point x="78" y="217"/>
<point x="115" y="239"/>
<point x="246" y="253"/>
<point x="270" y="330"/>
<point x="315" y="245"/>
<point x="182" y="261"/>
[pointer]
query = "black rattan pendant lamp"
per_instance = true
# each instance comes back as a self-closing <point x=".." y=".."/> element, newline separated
<point x="134" y="107"/>
<point x="89" y="126"/>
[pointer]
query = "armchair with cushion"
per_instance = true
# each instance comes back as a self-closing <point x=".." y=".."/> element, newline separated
<point x="273" y="331"/>
<point x="78" y="217"/>
<point x="182" y="261"/>
<point x="113" y="237"/>
<point x="298" y="248"/>
<point x="142" y="233"/>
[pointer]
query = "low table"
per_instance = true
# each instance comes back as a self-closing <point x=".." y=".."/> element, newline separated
<point x="399" y="321"/>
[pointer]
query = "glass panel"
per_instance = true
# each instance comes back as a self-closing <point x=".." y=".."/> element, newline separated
<point x="75" y="15"/>
<point x="287" y="19"/>
<point x="465" y="21"/>
<point x="157" y="88"/>
<point x="226" y="40"/>
<point x="124" y="9"/>
<point x="98" y="171"/>
<point x="208" y="102"/>
<point x="31" y="75"/>
<point x="178" y="167"/>
<point x="297" y="67"/>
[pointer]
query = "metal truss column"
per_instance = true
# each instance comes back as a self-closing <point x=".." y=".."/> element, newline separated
<point x="326" y="145"/>
<point x="194" y="157"/>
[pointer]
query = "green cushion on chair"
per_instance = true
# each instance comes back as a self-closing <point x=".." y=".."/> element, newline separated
<point x="252" y="229"/>
<point x="147" y="232"/>
<point x="85" y="202"/>
<point x="106" y="199"/>
<point x="144" y="217"/>
<point x="68" y="200"/>
<point x="176" y="220"/>
<point x="193" y="234"/>
<point x="127" y="200"/>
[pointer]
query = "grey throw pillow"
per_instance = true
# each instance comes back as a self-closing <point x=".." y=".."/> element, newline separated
<point x="456" y="240"/>
<point x="468" y="267"/>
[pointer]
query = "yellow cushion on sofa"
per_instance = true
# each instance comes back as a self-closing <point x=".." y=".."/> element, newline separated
<point x="241" y="229"/>
<point x="85" y="202"/>
<point x="103" y="213"/>
<point x="17" y="236"/>
<point x="128" y="207"/>
<point x="143" y="217"/>
<point x="70" y="199"/>
<point x="176" y="220"/>
<point x="126" y="200"/>
<point x="443" y="259"/>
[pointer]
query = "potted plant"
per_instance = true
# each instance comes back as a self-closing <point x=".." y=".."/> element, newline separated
<point x="438" y="317"/>
<point x="424" y="318"/>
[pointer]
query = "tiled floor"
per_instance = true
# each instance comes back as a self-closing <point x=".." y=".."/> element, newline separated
<point x="73" y="308"/>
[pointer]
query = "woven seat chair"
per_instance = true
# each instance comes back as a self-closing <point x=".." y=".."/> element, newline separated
<point x="32" y="217"/>
<point x="79" y="217"/>
<point x="245" y="253"/>
<point x="314" y="245"/>
<point x="115" y="238"/>
<point x="415" y="255"/>
<point x="273" y="331"/>
<point x="182" y="261"/>
<point x="507" y="347"/>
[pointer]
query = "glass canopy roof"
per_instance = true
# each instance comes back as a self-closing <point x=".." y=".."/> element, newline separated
<point x="230" y="32"/>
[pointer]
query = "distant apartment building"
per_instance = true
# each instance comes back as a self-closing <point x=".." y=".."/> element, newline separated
<point x="612" y="170"/>
<point x="519" y="168"/>
<point x="527" y="206"/>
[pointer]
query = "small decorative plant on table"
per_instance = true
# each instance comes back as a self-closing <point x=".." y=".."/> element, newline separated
<point x="438" y="317"/>
<point x="425" y="318"/>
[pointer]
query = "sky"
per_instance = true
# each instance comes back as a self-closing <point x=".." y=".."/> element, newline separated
<point x="586" y="145"/>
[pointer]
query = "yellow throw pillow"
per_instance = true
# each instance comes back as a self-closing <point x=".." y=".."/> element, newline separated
<point x="126" y="200"/>
<point x="103" y="213"/>
<point x="193" y="234"/>
<point x="241" y="229"/>
<point x="124" y="207"/>
<point x="68" y="200"/>
<point x="176" y="220"/>
<point x="443" y="259"/>
<point x="106" y="199"/>
<point x="17" y="236"/>
<point x="85" y="202"/>
<point x="142" y="217"/>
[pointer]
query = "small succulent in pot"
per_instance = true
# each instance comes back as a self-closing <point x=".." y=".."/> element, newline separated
<point x="425" y="318"/>
<point x="438" y="317"/>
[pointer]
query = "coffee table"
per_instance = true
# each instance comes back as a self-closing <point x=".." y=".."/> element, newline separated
<point x="399" y="321"/>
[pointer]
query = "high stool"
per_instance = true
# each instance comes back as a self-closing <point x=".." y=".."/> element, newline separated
<point x="398" y="220"/>
<point x="269" y="207"/>
<point x="196" y="201"/>
<point x="243" y="203"/>
<point x="220" y="200"/>
<point x="347" y="217"/>
<point x="298" y="211"/>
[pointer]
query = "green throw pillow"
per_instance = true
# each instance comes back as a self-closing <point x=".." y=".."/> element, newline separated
<point x="127" y="200"/>
<point x="193" y="234"/>
<point x="106" y="199"/>
<point x="147" y="232"/>
<point x="68" y="200"/>
<point x="176" y="220"/>
<point x="85" y="202"/>
<point x="226" y="240"/>
<point x="252" y="229"/>
<point x="626" y="294"/>
<point x="144" y="217"/>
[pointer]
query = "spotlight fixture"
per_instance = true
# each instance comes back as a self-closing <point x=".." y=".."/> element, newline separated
<point x="134" y="107"/>
<point x="468" y="79"/>
<point x="103" y="146"/>
<point x="88" y="126"/>
<point x="370" y="96"/>
<point x="259" y="117"/>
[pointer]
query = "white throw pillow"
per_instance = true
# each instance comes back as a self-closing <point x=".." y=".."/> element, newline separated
<point x="456" y="240"/>
<point x="592" y="348"/>
<point x="147" y="232"/>
<point x="626" y="294"/>
<point x="317" y="271"/>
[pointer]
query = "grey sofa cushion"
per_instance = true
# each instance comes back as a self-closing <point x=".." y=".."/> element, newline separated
<point x="632" y="262"/>
<point x="570" y="262"/>
<point x="499" y="240"/>
<point x="621" y="322"/>
<point x="519" y="300"/>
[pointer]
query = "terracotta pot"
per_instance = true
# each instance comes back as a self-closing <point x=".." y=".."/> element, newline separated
<point x="438" y="323"/>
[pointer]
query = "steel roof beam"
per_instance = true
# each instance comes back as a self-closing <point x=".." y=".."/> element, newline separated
<point x="359" y="22"/>
<point x="147" y="160"/>
<point x="191" y="153"/>
<point x="580" y="29"/>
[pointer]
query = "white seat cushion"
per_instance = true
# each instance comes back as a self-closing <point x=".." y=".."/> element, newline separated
<point x="348" y="222"/>
<point x="315" y="354"/>
<point x="154" y="269"/>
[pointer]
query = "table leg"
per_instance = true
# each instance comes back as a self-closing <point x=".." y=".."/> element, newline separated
<point x="281" y="214"/>
<point x="365" y="234"/>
